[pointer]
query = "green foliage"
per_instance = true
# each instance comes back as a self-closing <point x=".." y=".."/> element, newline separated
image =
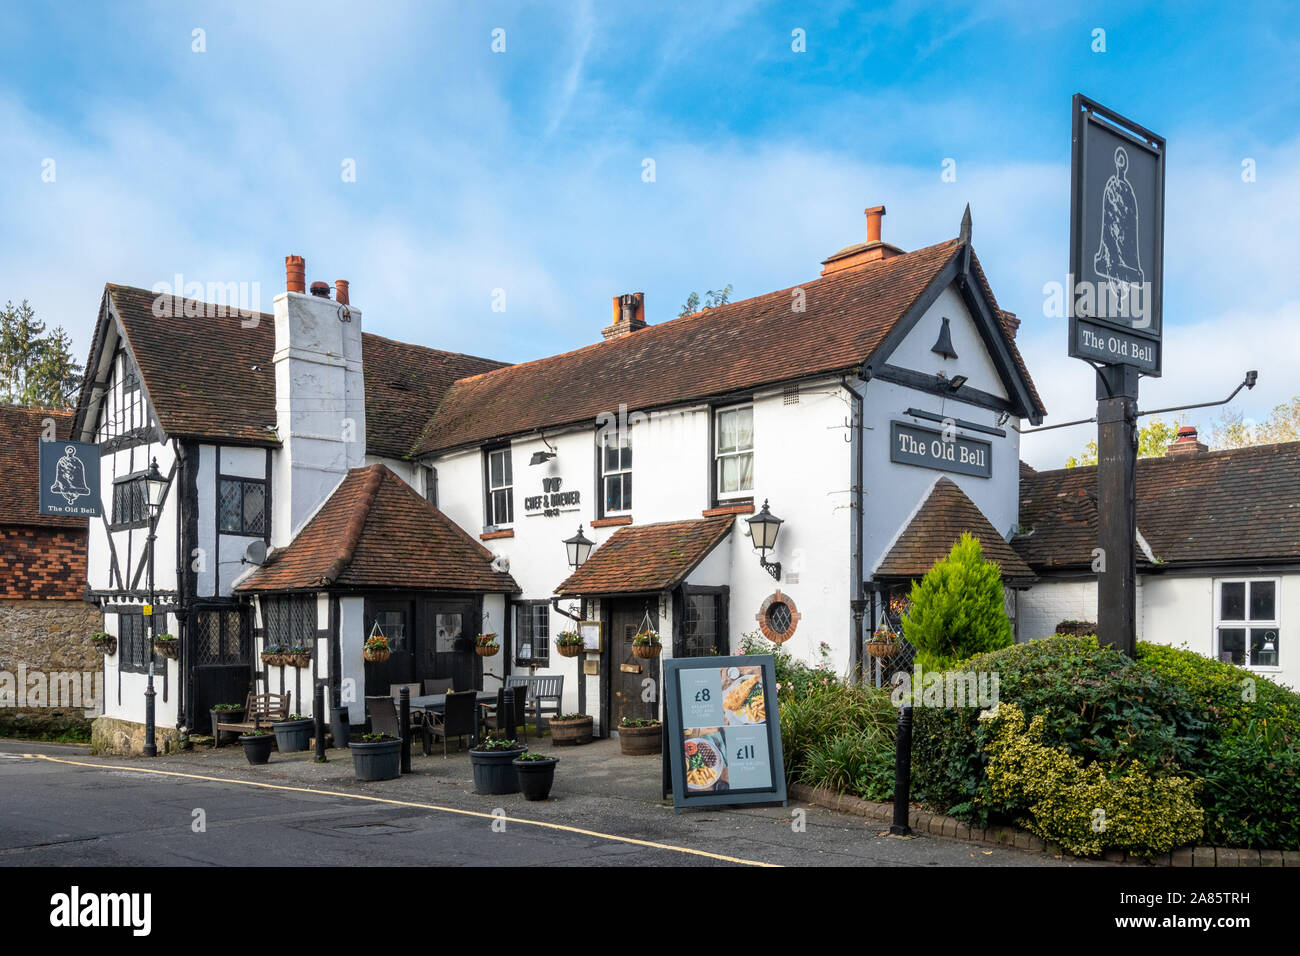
<point x="1234" y="430"/>
<point x="712" y="299"/>
<point x="36" y="369"/>
<point x="840" y="735"/>
<point x="859" y="762"/>
<point x="1081" y="807"/>
<point x="793" y="676"/>
<point x="1154" y="439"/>
<point x="957" y="608"/>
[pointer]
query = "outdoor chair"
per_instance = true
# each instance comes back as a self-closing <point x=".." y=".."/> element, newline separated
<point x="511" y="711"/>
<point x="459" y="717"/>
<point x="439" y="685"/>
<point x="383" y="716"/>
<point x="260" y="712"/>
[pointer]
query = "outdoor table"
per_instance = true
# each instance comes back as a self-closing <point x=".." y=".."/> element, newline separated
<point x="438" y="703"/>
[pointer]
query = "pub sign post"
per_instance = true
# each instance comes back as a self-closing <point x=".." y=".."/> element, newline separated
<point x="1116" y="326"/>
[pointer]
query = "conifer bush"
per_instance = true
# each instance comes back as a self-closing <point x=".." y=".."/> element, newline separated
<point x="957" y="608"/>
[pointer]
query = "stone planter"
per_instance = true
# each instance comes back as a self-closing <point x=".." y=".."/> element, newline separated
<point x="494" y="771"/>
<point x="571" y="733"/>
<point x="292" y="736"/>
<point x="257" y="748"/>
<point x="641" y="741"/>
<point x="378" y="760"/>
<point x="535" y="777"/>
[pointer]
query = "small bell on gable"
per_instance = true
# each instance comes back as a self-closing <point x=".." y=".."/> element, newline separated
<point x="944" y="344"/>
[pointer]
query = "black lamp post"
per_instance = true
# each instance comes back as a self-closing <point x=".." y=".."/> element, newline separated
<point x="579" y="548"/>
<point x="763" y="529"/>
<point x="155" y="487"/>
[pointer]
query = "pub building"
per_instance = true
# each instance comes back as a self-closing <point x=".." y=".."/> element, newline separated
<point x="779" y="465"/>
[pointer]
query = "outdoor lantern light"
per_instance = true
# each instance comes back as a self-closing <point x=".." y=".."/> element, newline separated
<point x="541" y="456"/>
<point x="957" y="382"/>
<point x="579" y="548"/>
<point x="763" y="529"/>
<point x="156" y="486"/>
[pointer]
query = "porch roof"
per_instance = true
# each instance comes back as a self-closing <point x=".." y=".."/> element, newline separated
<point x="936" y="526"/>
<point x="375" y="531"/>
<point x="651" y="557"/>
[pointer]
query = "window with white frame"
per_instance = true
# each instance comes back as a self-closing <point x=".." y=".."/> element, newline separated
<point x="734" y="451"/>
<point x="616" y="470"/>
<point x="1247" y="621"/>
<point x="500" y="488"/>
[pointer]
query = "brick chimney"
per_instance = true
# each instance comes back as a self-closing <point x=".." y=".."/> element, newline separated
<point x="629" y="316"/>
<point x="1186" y="444"/>
<point x="320" y="408"/>
<point x="863" y="254"/>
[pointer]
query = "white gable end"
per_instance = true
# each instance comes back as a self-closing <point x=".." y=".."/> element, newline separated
<point x="916" y="353"/>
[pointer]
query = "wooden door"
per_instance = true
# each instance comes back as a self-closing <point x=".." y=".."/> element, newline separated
<point x="629" y="673"/>
<point x="449" y="629"/>
<point x="394" y="619"/>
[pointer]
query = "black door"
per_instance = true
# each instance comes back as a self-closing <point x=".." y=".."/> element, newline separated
<point x="448" y="630"/>
<point x="220" y="643"/>
<point x="394" y="619"/>
<point x="634" y="681"/>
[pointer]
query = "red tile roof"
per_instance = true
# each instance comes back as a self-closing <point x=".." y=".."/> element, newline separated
<point x="1219" y="507"/>
<point x="649" y="557"/>
<point x="735" y="347"/>
<point x="938" y="525"/>
<point x="210" y="376"/>
<point x="374" y="531"/>
<point x="21" y="430"/>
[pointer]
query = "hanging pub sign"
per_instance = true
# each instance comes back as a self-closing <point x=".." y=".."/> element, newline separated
<point x="552" y="501"/>
<point x="1117" y="227"/>
<point x="724" y="732"/>
<point x="929" y="448"/>
<point x="70" y="479"/>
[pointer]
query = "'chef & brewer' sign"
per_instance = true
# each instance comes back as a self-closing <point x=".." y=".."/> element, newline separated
<point x="552" y="501"/>
<point x="928" y="448"/>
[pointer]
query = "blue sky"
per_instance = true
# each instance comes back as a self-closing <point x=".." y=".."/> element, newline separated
<point x="522" y="170"/>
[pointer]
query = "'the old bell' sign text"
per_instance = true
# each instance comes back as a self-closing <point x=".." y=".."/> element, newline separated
<point x="928" y="448"/>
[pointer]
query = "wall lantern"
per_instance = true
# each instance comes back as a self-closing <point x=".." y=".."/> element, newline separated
<point x="579" y="548"/>
<point x="763" y="529"/>
<point x="540" y="457"/>
<point x="156" y="486"/>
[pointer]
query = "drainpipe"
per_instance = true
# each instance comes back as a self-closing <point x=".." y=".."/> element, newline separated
<point x="857" y="603"/>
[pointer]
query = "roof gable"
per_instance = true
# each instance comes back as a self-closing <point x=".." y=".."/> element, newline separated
<point x="647" y="558"/>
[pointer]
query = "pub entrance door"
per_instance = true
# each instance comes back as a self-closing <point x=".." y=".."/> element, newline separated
<point x="634" y="681"/>
<point x="448" y="629"/>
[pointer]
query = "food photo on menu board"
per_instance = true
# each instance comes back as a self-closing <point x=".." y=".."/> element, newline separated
<point x="724" y="726"/>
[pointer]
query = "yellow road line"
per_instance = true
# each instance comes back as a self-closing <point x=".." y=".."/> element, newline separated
<point x="406" y="803"/>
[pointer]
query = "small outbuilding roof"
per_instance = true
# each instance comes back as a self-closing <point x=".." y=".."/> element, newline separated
<point x="646" y="558"/>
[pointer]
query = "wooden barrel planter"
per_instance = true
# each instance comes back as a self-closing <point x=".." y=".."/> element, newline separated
<point x="641" y="741"/>
<point x="647" y="650"/>
<point x="571" y="732"/>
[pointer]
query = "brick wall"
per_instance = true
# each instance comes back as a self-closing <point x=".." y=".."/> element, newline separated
<point x="42" y="563"/>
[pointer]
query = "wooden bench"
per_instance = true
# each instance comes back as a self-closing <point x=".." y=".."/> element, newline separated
<point x="260" y="711"/>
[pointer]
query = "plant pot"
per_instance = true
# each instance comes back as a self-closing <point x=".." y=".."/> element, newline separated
<point x="641" y="741"/>
<point x="494" y="770"/>
<point x="647" y="650"/>
<point x="226" y="717"/>
<point x="292" y="736"/>
<point x="257" y="749"/>
<point x="300" y="660"/>
<point x="570" y="733"/>
<point x="569" y="650"/>
<point x="106" y="646"/>
<point x="535" y="777"/>
<point x="340" y="728"/>
<point x="272" y="660"/>
<point x="168" y="649"/>
<point x="489" y="650"/>
<point x="376" y="657"/>
<point x="882" y="648"/>
<point x="381" y="760"/>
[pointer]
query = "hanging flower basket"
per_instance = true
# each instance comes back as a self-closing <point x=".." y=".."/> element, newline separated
<point x="167" y="645"/>
<point x="882" y="649"/>
<point x="376" y="655"/>
<point x="569" y="650"/>
<point x="568" y="643"/>
<point x="376" y="649"/>
<point x="647" y="650"/>
<point x="104" y="642"/>
<point x="485" y="645"/>
<point x="646" y="642"/>
<point x="272" y="655"/>
<point x="300" y="658"/>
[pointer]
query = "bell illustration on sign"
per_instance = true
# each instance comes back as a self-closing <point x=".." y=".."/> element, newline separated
<point x="70" y="476"/>
<point x="1117" y="256"/>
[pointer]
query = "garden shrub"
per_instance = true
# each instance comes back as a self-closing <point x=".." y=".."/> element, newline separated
<point x="859" y="762"/>
<point x="1079" y="806"/>
<point x="793" y="676"/>
<point x="840" y="735"/>
<point x="957" y="608"/>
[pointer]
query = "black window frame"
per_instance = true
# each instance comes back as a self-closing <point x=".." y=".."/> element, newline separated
<point x="284" y="616"/>
<point x="529" y="634"/>
<point x="132" y="642"/>
<point x="489" y="512"/>
<point x="243" y="530"/>
<point x="130" y="488"/>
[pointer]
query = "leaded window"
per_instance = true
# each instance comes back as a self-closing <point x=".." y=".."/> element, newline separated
<point x="533" y="633"/>
<point x="132" y="643"/>
<point x="221" y="636"/>
<point x="130" y="501"/>
<point x="289" y="620"/>
<point x="242" y="506"/>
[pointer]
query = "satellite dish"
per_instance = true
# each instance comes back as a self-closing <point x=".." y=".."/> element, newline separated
<point x="501" y="563"/>
<point x="255" y="553"/>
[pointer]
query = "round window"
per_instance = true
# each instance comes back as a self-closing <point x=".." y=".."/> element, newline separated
<point x="778" y="617"/>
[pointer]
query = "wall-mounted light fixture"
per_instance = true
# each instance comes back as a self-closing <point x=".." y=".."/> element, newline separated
<point x="579" y="548"/>
<point x="763" y="529"/>
<point x="539" y="457"/>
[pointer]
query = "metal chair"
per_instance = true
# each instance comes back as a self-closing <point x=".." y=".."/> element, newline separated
<point x="459" y="717"/>
<point x="439" y="685"/>
<point x="383" y="716"/>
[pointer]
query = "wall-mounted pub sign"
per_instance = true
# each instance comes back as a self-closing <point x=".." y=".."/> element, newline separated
<point x="70" y="479"/>
<point x="552" y="501"/>
<point x="1117" y="224"/>
<point x="930" y="448"/>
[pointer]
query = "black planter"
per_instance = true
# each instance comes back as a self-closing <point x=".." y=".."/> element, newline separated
<point x="226" y="717"/>
<point x="535" y="777"/>
<point x="257" y="749"/>
<point x="494" y="770"/>
<point x="292" y="736"/>
<point x="381" y="760"/>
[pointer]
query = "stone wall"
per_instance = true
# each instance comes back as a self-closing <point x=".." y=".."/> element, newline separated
<point x="39" y="640"/>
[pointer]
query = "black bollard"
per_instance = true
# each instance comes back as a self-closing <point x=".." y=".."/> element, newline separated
<point x="318" y="711"/>
<point x="902" y="773"/>
<point x="405" y="724"/>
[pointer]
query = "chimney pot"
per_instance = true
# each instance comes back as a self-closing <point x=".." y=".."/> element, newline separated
<point x="629" y="315"/>
<point x="320" y="289"/>
<point x="1186" y="443"/>
<point x="295" y="272"/>
<point x="874" y="217"/>
<point x="341" y="291"/>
